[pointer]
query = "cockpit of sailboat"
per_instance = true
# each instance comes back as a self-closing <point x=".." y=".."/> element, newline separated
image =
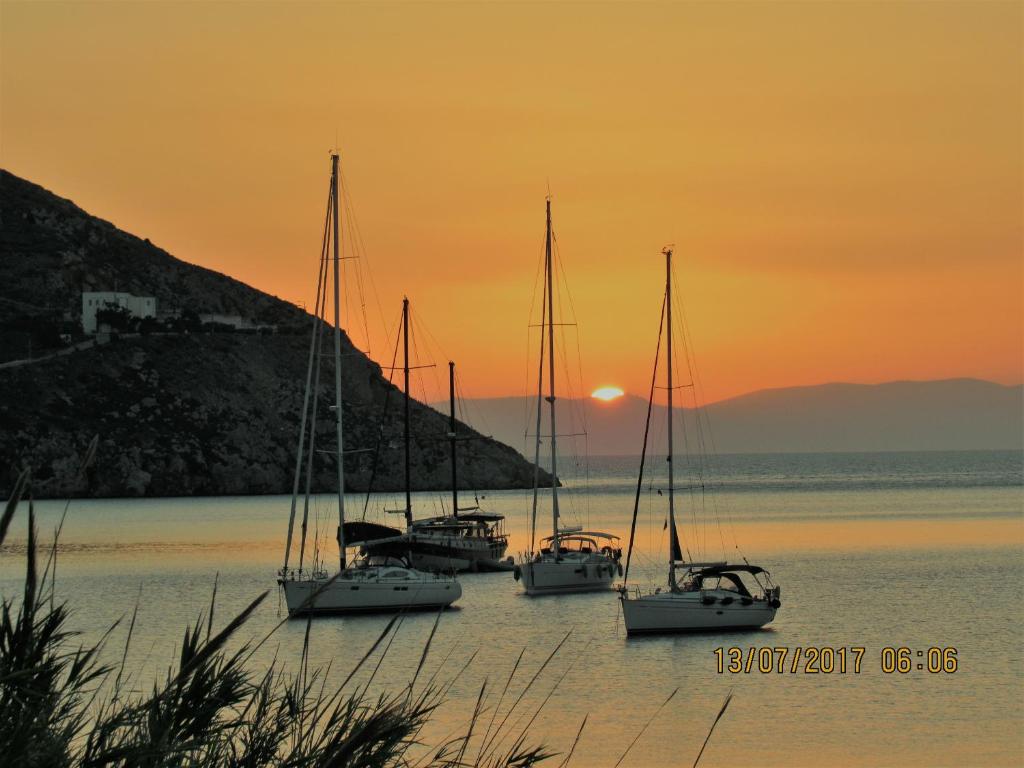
<point x="584" y="543"/>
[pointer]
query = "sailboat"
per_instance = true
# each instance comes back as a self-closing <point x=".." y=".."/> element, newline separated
<point x="700" y="596"/>
<point x="457" y="542"/>
<point x="570" y="559"/>
<point x="366" y="585"/>
<point x="468" y="539"/>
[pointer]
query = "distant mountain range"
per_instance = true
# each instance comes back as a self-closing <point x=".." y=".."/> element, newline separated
<point x="187" y="414"/>
<point x="953" y="414"/>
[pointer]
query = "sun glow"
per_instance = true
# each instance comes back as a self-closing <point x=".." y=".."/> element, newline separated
<point x="607" y="393"/>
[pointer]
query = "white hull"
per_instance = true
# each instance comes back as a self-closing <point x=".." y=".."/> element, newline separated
<point x="370" y="590"/>
<point x="687" y="612"/>
<point x="548" y="577"/>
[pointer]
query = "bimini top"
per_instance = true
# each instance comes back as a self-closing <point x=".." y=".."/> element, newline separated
<point x="578" y="534"/>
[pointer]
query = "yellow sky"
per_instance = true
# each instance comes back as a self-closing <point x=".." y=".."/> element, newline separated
<point x="843" y="181"/>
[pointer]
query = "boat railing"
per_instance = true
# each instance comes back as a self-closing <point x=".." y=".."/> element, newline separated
<point x="301" y="574"/>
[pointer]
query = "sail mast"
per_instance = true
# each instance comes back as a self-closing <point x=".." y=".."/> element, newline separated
<point x="451" y="436"/>
<point x="673" y="541"/>
<point x="408" y="442"/>
<point x="335" y="184"/>
<point x="548" y="259"/>
<point x="540" y="415"/>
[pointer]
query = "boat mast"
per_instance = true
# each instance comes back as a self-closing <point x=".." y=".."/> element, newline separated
<point x="673" y="543"/>
<point x="540" y="416"/>
<point x="405" y="371"/>
<point x="548" y="259"/>
<point x="337" y="362"/>
<point x="451" y="437"/>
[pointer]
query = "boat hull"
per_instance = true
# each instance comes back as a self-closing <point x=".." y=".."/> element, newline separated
<point x="686" y="612"/>
<point x="566" y="576"/>
<point x="458" y="560"/>
<point x="443" y="553"/>
<point x="346" y="596"/>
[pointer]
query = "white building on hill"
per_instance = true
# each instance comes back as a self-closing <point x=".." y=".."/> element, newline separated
<point x="93" y="301"/>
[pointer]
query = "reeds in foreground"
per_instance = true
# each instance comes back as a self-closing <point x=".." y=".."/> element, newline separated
<point x="60" y="705"/>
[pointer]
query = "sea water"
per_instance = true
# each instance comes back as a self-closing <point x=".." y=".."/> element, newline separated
<point x="872" y="551"/>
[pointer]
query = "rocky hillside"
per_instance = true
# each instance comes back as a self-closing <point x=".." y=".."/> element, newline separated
<point x="52" y="250"/>
<point x="181" y="414"/>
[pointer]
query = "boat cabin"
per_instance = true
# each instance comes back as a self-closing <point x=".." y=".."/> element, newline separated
<point x="480" y="525"/>
<point x="726" y="578"/>
<point x="584" y="543"/>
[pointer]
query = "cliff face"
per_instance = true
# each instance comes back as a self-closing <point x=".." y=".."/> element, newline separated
<point x="181" y="414"/>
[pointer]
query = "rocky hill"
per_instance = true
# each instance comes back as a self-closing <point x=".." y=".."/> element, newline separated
<point x="190" y="414"/>
<point x="51" y="250"/>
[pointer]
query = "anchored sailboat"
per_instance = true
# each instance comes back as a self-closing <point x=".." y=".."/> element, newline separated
<point x="468" y="539"/>
<point x="370" y="584"/>
<point x="457" y="542"/>
<point x="570" y="559"/>
<point x="707" y="596"/>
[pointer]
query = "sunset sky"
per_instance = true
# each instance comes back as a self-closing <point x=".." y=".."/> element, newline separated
<point x="842" y="181"/>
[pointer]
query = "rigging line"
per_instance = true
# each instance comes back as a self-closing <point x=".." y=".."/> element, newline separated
<point x="701" y="455"/>
<point x="643" y="450"/>
<point x="674" y="543"/>
<point x="358" y="253"/>
<point x="309" y="372"/>
<point x="320" y="320"/>
<point x="381" y="427"/>
<point x="529" y="319"/>
<point x="418" y="376"/>
<point x="582" y="402"/>
<point x="685" y="430"/>
<point x="466" y="411"/>
<point x="434" y="351"/>
<point x="460" y="407"/>
<point x="359" y="237"/>
<point x="700" y="414"/>
<point x="707" y="417"/>
<point x="321" y="323"/>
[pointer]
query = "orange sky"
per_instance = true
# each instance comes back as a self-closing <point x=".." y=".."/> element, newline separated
<point x="843" y="181"/>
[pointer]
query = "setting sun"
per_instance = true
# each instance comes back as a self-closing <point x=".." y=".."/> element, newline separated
<point x="607" y="393"/>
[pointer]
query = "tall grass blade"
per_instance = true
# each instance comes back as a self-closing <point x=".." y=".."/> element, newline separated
<point x="646" y="726"/>
<point x="426" y="650"/>
<point x="575" y="741"/>
<point x="725" y="706"/>
<point x="487" y="746"/>
<point x="12" y="503"/>
<point x="367" y="655"/>
<point x="213" y="603"/>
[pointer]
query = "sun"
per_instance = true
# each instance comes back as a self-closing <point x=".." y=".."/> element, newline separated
<point x="607" y="394"/>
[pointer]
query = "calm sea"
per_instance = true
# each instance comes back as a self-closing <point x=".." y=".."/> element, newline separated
<point x="917" y="550"/>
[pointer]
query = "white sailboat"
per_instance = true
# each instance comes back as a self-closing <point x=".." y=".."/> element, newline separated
<point x="570" y="559"/>
<point x="370" y="584"/>
<point x="700" y="596"/>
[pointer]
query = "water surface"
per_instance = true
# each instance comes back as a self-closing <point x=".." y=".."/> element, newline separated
<point x="917" y="550"/>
